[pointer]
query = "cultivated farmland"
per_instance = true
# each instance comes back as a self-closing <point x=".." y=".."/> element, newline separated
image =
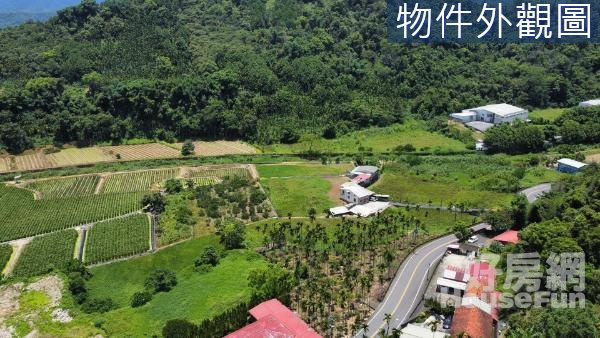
<point x="80" y="156"/>
<point x="220" y="172"/>
<point x="5" y="252"/>
<point x="221" y="148"/>
<point x="65" y="187"/>
<point x="137" y="181"/>
<point x="118" y="238"/>
<point x="44" y="253"/>
<point x="76" y="156"/>
<point x="32" y="162"/>
<point x="141" y="151"/>
<point x="23" y="216"/>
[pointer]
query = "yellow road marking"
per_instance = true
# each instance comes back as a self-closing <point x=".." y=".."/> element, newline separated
<point x="409" y="282"/>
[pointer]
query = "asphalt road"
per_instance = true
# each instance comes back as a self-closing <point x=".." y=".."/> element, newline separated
<point x="407" y="289"/>
<point x="535" y="192"/>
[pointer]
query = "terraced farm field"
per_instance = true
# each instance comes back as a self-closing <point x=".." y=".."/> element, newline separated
<point x="65" y="187"/>
<point x="221" y="148"/>
<point x="141" y="151"/>
<point x="80" y="156"/>
<point x="23" y="216"/>
<point x="217" y="172"/>
<point x="45" y="253"/>
<point x="77" y="156"/>
<point x="137" y="180"/>
<point x="118" y="238"/>
<point x="5" y="164"/>
<point x="35" y="161"/>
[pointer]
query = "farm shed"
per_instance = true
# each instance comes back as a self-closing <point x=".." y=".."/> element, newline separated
<point x="354" y="193"/>
<point x="369" y="209"/>
<point x="510" y="236"/>
<point x="364" y="175"/>
<point x="567" y="165"/>
<point x="339" y="211"/>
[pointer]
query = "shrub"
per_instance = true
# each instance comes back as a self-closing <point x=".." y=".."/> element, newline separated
<point x="140" y="298"/>
<point x="99" y="305"/>
<point x="209" y="256"/>
<point x="78" y="288"/>
<point x="188" y="148"/>
<point x="179" y="328"/>
<point x="161" y="280"/>
<point x="173" y="186"/>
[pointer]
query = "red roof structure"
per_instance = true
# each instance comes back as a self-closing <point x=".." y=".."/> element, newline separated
<point x="509" y="236"/>
<point x="274" y="320"/>
<point x="472" y="321"/>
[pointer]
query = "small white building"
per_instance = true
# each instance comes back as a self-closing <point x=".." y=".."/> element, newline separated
<point x="590" y="103"/>
<point x="353" y="193"/>
<point x="493" y="113"/>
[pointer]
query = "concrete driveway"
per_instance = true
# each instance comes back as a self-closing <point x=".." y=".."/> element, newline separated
<point x="536" y="191"/>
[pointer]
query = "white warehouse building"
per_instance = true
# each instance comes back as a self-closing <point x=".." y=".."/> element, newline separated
<point x="493" y="113"/>
<point x="590" y="103"/>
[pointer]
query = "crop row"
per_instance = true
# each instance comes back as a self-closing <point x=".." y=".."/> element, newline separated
<point x="117" y="238"/>
<point x="137" y="181"/>
<point x="5" y="253"/>
<point x="22" y="216"/>
<point x="45" y="253"/>
<point x="219" y="172"/>
<point x="66" y="187"/>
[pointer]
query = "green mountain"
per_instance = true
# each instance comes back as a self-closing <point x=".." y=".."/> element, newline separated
<point x="259" y="70"/>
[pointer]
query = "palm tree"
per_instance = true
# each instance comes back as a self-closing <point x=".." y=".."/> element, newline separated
<point x="365" y="329"/>
<point x="387" y="317"/>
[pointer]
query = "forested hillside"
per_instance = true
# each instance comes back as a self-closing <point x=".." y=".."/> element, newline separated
<point x="264" y="71"/>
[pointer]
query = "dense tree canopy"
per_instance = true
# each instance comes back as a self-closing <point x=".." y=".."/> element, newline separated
<point x="247" y="69"/>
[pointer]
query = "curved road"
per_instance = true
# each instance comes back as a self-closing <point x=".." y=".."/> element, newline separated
<point x="406" y="288"/>
<point x="536" y="192"/>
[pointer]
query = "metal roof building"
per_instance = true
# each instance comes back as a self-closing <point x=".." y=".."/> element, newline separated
<point x="567" y="165"/>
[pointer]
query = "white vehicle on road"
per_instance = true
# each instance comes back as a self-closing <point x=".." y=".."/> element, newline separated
<point x="473" y="239"/>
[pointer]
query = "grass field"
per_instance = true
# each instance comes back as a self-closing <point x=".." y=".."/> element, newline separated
<point x="118" y="238"/>
<point x="297" y="195"/>
<point x="197" y="296"/>
<point x="220" y="148"/>
<point x="534" y="176"/>
<point x="268" y="171"/>
<point x="549" y="114"/>
<point x="417" y="190"/>
<point x="376" y="140"/>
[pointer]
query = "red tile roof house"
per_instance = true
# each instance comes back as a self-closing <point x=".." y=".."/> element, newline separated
<point x="274" y="320"/>
<point x="510" y="236"/>
<point x="478" y="313"/>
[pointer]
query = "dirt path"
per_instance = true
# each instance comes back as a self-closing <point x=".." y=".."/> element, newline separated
<point x="254" y="174"/>
<point x="18" y="246"/>
<point x="100" y="185"/>
<point x="334" y="191"/>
